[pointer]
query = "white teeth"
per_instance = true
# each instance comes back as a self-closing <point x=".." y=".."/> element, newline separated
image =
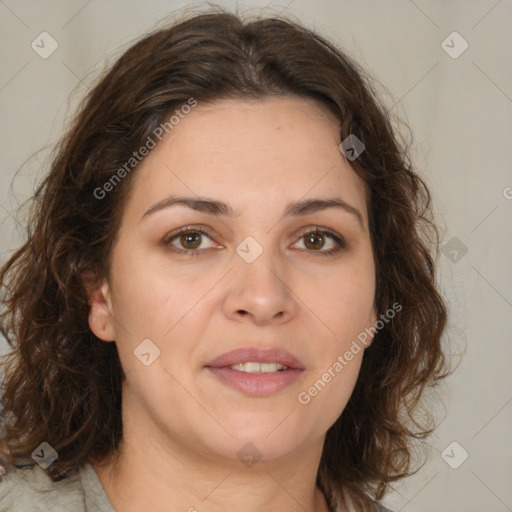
<point x="258" y="367"/>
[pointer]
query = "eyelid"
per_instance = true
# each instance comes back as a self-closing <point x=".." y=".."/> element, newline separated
<point x="185" y="229"/>
<point x="168" y="239"/>
<point x="337" y="237"/>
<point x="319" y="229"/>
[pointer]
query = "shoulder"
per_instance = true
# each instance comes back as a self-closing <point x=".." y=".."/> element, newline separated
<point x="382" y="508"/>
<point x="376" y="507"/>
<point x="349" y="505"/>
<point x="27" y="487"/>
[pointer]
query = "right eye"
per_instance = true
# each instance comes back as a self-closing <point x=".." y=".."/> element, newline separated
<point x="187" y="240"/>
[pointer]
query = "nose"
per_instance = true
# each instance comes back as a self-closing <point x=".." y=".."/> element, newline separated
<point x="260" y="292"/>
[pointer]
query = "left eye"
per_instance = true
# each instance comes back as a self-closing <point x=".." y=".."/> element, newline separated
<point x="316" y="241"/>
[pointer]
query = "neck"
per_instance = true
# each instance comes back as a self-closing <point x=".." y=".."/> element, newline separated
<point x="151" y="473"/>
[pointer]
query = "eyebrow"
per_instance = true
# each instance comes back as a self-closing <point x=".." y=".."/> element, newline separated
<point x="219" y="208"/>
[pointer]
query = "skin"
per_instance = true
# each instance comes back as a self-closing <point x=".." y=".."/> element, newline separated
<point x="182" y="428"/>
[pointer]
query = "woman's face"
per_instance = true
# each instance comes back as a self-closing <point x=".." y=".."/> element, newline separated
<point x="255" y="175"/>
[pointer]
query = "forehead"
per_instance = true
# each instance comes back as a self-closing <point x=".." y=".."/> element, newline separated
<point x="246" y="151"/>
<point x="276" y="124"/>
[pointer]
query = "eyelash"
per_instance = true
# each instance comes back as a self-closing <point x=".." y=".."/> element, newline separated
<point x="317" y="231"/>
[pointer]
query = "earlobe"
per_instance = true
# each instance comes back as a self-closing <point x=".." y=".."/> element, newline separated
<point x="373" y="317"/>
<point x="372" y="322"/>
<point x="101" y="313"/>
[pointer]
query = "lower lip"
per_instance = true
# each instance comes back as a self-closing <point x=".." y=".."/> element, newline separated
<point x="256" y="384"/>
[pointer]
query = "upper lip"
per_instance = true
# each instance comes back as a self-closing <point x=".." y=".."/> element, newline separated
<point x="256" y="355"/>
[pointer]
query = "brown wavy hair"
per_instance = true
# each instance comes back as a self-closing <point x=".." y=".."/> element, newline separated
<point x="63" y="385"/>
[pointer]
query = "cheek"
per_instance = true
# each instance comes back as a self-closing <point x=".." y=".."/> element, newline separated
<point x="347" y="301"/>
<point x="148" y="298"/>
<point x="328" y="393"/>
<point x="170" y="310"/>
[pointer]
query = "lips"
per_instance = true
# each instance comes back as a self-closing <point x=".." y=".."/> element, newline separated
<point x="256" y="355"/>
<point x="257" y="384"/>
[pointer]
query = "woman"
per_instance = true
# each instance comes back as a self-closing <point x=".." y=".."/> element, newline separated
<point x="227" y="296"/>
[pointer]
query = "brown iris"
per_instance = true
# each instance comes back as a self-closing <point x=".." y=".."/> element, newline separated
<point x="314" y="240"/>
<point x="187" y="240"/>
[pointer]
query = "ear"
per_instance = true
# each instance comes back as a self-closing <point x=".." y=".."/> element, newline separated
<point x="371" y="323"/>
<point x="101" y="313"/>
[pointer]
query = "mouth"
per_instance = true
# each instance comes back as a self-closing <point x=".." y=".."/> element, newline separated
<point x="253" y="367"/>
<point x="256" y="372"/>
<point x="257" y="360"/>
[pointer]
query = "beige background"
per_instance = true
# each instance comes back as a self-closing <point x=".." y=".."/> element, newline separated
<point x="460" y="111"/>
